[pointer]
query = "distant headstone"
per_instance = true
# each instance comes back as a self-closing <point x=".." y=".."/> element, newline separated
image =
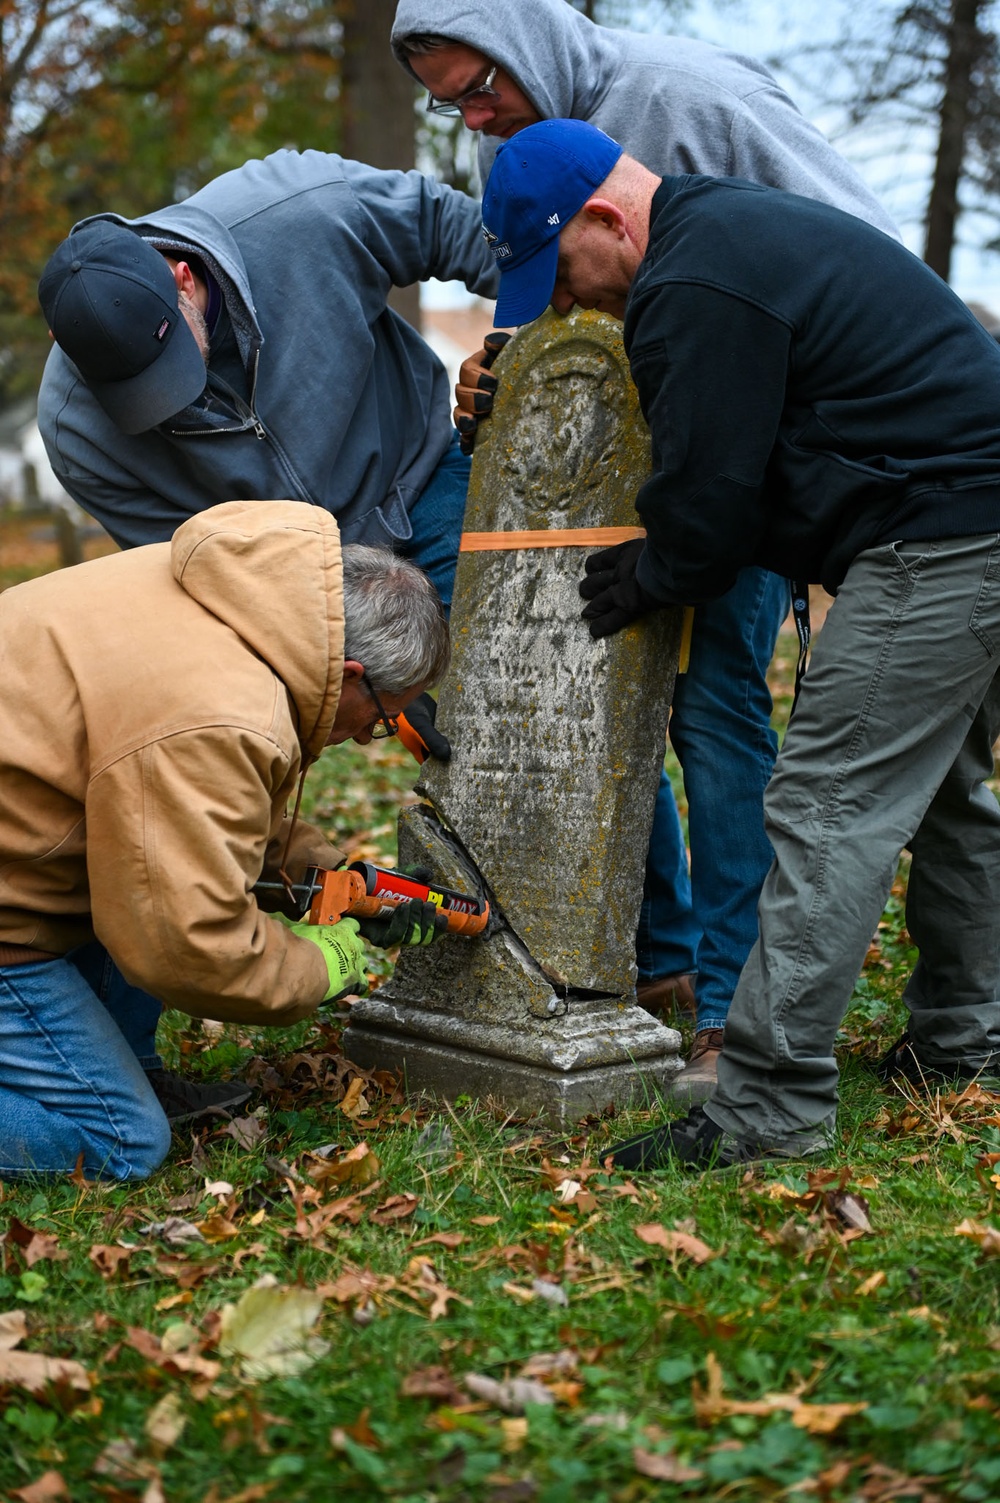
<point x="547" y="803"/>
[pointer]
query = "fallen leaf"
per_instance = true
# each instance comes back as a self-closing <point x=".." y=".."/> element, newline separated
<point x="817" y="1419"/>
<point x="655" y="1235"/>
<point x="34" y="1372"/>
<point x="483" y="1220"/>
<point x="870" y="1284"/>
<point x="664" y="1466"/>
<point x="175" y="1231"/>
<point x="248" y="1132"/>
<point x="108" y="1260"/>
<point x="218" y="1187"/>
<point x="432" y="1383"/>
<point x="515" y="1434"/>
<point x="218" y="1228"/>
<point x="13" y="1329"/>
<point x="357" y="1167"/>
<point x="443" y="1239"/>
<point x="988" y="1237"/>
<point x="355" y="1103"/>
<point x="396" y="1208"/>
<point x="164" y="1424"/>
<point x="48" y="1488"/>
<point x="512" y="1395"/>
<point x="422" y="1280"/>
<point x="269" y="1331"/>
<point x="851" y="1209"/>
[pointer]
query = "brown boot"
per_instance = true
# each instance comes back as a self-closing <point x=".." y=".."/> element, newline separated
<point x="696" y="1082"/>
<point x="665" y="995"/>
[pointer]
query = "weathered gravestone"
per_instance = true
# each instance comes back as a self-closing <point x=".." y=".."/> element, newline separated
<point x="547" y="802"/>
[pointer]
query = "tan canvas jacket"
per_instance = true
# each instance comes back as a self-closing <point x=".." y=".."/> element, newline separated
<point x="155" y="710"/>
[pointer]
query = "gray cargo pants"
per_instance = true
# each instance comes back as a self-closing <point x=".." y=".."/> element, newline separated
<point x="890" y="743"/>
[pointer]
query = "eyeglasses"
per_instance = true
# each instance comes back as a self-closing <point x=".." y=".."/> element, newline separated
<point x="384" y="725"/>
<point x="482" y="94"/>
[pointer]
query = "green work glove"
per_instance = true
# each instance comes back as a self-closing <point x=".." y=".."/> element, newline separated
<point x="343" y="952"/>
<point x="411" y="923"/>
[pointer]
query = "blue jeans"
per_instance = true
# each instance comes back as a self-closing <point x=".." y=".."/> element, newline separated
<point x="720" y="730"/>
<point x="74" y="1037"/>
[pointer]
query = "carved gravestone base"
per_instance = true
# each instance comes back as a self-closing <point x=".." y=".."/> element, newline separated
<point x="547" y="803"/>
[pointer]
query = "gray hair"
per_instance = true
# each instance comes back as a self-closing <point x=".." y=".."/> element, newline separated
<point x="394" y="622"/>
<point x="419" y="43"/>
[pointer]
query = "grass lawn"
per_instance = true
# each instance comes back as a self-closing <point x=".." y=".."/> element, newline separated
<point x="464" y="1307"/>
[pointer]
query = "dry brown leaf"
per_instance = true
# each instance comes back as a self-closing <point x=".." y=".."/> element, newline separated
<point x="218" y="1228"/>
<point x="48" y="1488"/>
<point x="357" y="1167"/>
<point x="664" y="1466"/>
<point x="13" y="1329"/>
<point x="817" y="1419"/>
<point x="871" y="1283"/>
<point x="851" y="1209"/>
<point x="483" y="1220"/>
<point x="175" y="1231"/>
<point x="988" y="1237"/>
<point x="442" y="1239"/>
<point x="34" y="1372"/>
<point x="109" y="1260"/>
<point x="248" y="1132"/>
<point x="422" y="1280"/>
<point x="164" y="1424"/>
<point x="434" y="1382"/>
<point x="396" y="1208"/>
<point x="683" y="1243"/>
<point x="355" y="1103"/>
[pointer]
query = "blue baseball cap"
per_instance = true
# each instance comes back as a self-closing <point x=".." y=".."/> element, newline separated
<point x="541" y="177"/>
<point x="111" y="302"/>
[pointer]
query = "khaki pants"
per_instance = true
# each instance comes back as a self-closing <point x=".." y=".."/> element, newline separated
<point x="888" y="748"/>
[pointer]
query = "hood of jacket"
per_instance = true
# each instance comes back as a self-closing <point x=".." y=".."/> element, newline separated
<point x="578" y="59"/>
<point x="295" y="620"/>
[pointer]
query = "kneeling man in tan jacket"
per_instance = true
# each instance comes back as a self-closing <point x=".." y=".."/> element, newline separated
<point x="158" y="709"/>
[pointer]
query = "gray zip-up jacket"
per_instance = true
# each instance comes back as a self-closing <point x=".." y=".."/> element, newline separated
<point x="316" y="391"/>
<point x="676" y="105"/>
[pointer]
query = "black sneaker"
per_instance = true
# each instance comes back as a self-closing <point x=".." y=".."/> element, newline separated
<point x="901" y="1063"/>
<point x="694" y="1141"/>
<point x="184" y="1100"/>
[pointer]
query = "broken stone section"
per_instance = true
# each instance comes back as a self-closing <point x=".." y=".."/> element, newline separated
<point x="546" y="804"/>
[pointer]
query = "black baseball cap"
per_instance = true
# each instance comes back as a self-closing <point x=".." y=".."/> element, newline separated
<point x="111" y="303"/>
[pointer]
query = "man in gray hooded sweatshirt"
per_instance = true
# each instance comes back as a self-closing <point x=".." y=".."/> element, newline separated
<point x="679" y="106"/>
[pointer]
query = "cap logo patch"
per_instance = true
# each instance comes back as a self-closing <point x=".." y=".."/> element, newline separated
<point x="164" y="329"/>
<point x="489" y="236"/>
<point x="552" y="219"/>
<point x="501" y="252"/>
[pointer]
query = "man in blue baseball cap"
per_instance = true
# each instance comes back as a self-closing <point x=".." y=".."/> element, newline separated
<point x="823" y="406"/>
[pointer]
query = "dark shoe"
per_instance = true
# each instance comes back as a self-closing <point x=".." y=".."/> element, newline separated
<point x="697" y="1080"/>
<point x="184" y="1100"/>
<point x="901" y="1063"/>
<point x="694" y="1141"/>
<point x="665" y="995"/>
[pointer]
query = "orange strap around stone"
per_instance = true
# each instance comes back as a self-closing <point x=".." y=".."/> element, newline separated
<point x="557" y="537"/>
<point x="571" y="537"/>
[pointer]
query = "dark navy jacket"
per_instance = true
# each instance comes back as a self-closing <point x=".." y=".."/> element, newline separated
<point x="812" y="390"/>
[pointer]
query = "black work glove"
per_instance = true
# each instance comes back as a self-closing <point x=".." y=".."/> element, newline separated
<point x="616" y="597"/>
<point x="417" y="731"/>
<point x="412" y="923"/>
<point x="475" y="390"/>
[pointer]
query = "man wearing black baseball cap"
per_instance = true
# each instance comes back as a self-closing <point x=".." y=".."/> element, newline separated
<point x="120" y="311"/>
<point x="821" y="405"/>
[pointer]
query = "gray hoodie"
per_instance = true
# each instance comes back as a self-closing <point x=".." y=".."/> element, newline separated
<point x="316" y="390"/>
<point x="676" y="105"/>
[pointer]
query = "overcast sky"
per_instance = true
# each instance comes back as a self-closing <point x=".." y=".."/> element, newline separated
<point x="897" y="170"/>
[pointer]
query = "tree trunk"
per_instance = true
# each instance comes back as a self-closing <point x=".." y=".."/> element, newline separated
<point x="378" y="107"/>
<point x="964" y="45"/>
